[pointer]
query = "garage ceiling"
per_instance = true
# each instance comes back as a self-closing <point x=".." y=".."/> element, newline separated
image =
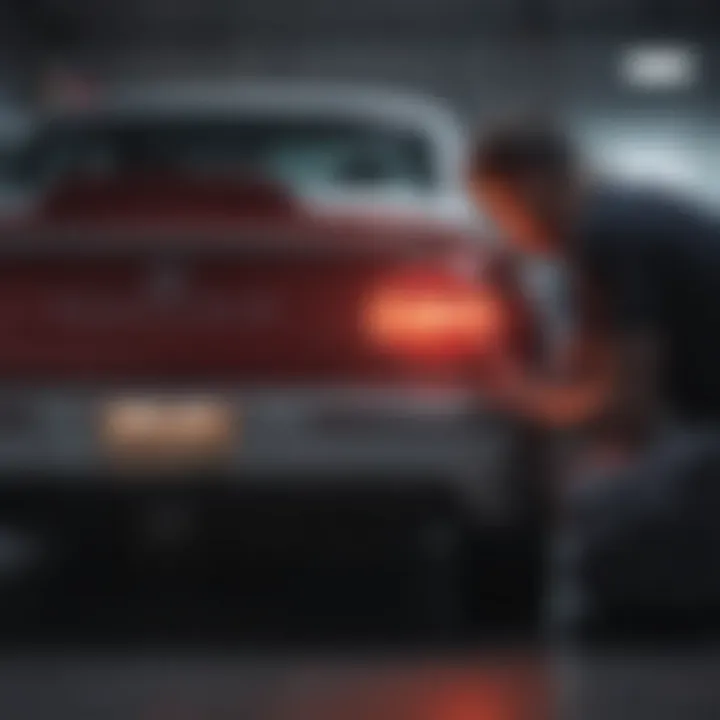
<point x="118" y="33"/>
<point x="82" y="22"/>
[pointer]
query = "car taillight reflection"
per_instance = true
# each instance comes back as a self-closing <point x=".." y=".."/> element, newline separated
<point x="433" y="316"/>
<point x="482" y="692"/>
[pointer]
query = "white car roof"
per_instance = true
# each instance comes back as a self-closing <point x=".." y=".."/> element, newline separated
<point x="290" y="97"/>
<point x="303" y="99"/>
<point x="339" y="100"/>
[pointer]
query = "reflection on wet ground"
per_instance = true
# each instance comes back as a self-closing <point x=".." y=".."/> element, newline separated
<point x="507" y="688"/>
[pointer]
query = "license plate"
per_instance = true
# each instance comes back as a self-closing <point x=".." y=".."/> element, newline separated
<point x="167" y="431"/>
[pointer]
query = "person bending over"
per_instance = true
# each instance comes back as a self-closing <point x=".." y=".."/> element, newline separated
<point x="642" y="370"/>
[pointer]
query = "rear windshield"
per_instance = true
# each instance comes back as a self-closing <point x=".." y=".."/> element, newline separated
<point x="304" y="154"/>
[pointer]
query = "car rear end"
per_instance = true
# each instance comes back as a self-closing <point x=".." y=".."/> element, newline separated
<point x="258" y="429"/>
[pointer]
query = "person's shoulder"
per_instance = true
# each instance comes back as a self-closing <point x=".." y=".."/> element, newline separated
<point x="623" y="201"/>
<point x="643" y="210"/>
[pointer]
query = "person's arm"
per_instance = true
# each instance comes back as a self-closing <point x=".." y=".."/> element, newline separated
<point x="615" y="385"/>
<point x="580" y="394"/>
<point x="611" y="375"/>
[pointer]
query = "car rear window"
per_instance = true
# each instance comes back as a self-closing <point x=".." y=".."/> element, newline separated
<point x="305" y="154"/>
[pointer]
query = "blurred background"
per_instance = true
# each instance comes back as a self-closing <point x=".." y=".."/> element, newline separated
<point x="635" y="78"/>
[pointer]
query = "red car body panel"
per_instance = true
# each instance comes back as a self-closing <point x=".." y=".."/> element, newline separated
<point x="152" y="279"/>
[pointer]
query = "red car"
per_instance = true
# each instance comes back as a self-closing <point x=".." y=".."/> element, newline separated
<point x="228" y="414"/>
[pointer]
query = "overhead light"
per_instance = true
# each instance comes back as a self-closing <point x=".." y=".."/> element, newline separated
<point x="660" y="67"/>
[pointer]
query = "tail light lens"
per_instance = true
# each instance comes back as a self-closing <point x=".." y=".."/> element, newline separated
<point x="434" y="315"/>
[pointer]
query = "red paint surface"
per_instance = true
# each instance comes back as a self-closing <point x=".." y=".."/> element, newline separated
<point x="153" y="279"/>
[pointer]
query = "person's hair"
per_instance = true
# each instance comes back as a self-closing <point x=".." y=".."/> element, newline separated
<point x="512" y="152"/>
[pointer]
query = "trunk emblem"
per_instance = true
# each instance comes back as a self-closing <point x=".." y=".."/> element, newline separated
<point x="170" y="287"/>
<point x="168" y="284"/>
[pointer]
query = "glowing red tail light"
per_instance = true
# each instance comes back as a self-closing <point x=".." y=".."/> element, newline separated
<point x="431" y="314"/>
